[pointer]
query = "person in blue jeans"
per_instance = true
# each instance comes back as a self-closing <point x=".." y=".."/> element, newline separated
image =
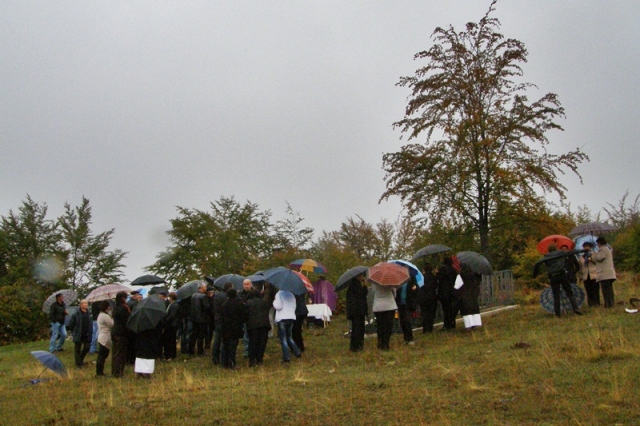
<point x="285" y="306"/>
<point x="58" y="330"/>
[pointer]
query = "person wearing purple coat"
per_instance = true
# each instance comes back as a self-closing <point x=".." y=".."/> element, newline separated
<point x="324" y="292"/>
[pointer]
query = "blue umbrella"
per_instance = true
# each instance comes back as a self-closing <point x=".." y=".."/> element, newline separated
<point x="51" y="362"/>
<point x="546" y="299"/>
<point x="256" y="278"/>
<point x="414" y="271"/>
<point x="234" y="279"/>
<point x="285" y="279"/>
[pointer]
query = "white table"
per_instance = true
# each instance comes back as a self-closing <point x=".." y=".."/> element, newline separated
<point x="320" y="311"/>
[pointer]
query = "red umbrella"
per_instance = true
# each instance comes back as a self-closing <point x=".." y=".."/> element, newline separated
<point x="388" y="274"/>
<point x="559" y="240"/>
<point x="306" y="281"/>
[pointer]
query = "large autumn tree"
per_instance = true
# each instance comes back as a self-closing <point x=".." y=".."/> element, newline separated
<point x="483" y="143"/>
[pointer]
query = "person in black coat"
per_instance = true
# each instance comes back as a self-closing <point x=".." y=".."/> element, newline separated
<point x="258" y="326"/>
<point x="357" y="309"/>
<point x="119" y="335"/>
<point x="446" y="295"/>
<point x="301" y="315"/>
<point x="199" y="316"/>
<point x="219" y="298"/>
<point x="171" y="324"/>
<point x="233" y="317"/>
<point x="428" y="298"/>
<point x="406" y="300"/>
<point x="470" y="292"/>
<point x="82" y="328"/>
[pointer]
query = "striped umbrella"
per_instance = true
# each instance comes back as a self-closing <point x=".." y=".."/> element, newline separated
<point x="308" y="265"/>
<point x="388" y="274"/>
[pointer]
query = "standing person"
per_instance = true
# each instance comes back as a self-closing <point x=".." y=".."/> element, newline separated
<point x="357" y="310"/>
<point x="384" y="308"/>
<point x="301" y="316"/>
<point x="219" y="298"/>
<point x="105" y="325"/>
<point x="406" y="302"/>
<point x="57" y="312"/>
<point x="120" y="334"/>
<point x="285" y="305"/>
<point x="269" y="294"/>
<point x="589" y="276"/>
<point x="149" y="346"/>
<point x="605" y="271"/>
<point x="428" y="299"/>
<point x="470" y="292"/>
<point x="555" y="262"/>
<point x="200" y="319"/>
<point x="247" y="291"/>
<point x="324" y="292"/>
<point x="82" y="329"/>
<point x="446" y="294"/>
<point x="171" y="324"/>
<point x="134" y="299"/>
<point x="233" y="317"/>
<point x="211" y="323"/>
<point x="95" y="311"/>
<point x="258" y="327"/>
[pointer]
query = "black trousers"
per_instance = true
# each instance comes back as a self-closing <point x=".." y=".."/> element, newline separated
<point x="428" y="314"/>
<point x="449" y="312"/>
<point x="406" y="316"/>
<point x="556" y="283"/>
<point x="216" y="351"/>
<point x="607" y="293"/>
<point x="296" y="332"/>
<point x="169" y="345"/>
<point x="258" y="338"/>
<point x="228" y="356"/>
<point x="103" y="353"/>
<point x="384" y="328"/>
<point x="592" y="289"/>
<point x="197" y="338"/>
<point x="80" y="351"/>
<point x="357" y="334"/>
<point x="119" y="346"/>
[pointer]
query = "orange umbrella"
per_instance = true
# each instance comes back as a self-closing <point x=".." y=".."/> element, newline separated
<point x="559" y="240"/>
<point x="388" y="274"/>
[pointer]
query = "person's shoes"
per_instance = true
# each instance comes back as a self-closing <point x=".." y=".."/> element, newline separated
<point x="577" y="312"/>
<point x="298" y="355"/>
<point x="285" y="361"/>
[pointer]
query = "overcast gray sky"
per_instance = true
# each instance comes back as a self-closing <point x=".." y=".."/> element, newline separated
<point x="144" y="106"/>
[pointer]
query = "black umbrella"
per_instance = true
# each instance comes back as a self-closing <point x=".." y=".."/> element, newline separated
<point x="188" y="290"/>
<point x="234" y="279"/>
<point x="68" y="296"/>
<point x="591" y="228"/>
<point x="347" y="276"/>
<point x="431" y="249"/>
<point x="546" y="299"/>
<point x="159" y="290"/>
<point x="147" y="314"/>
<point x="147" y="279"/>
<point x="51" y="362"/>
<point x="477" y="262"/>
<point x="209" y="279"/>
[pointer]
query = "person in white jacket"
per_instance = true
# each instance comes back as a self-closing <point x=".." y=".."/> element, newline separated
<point x="285" y="306"/>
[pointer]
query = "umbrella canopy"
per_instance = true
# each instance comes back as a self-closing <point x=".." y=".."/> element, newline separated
<point x="591" y="228"/>
<point x="414" y="271"/>
<point x="188" y="289"/>
<point x="159" y="290"/>
<point x="306" y="282"/>
<point x="106" y="292"/>
<point x="147" y="279"/>
<point x="477" y="262"/>
<point x="431" y="249"/>
<point x="587" y="239"/>
<point x="559" y="240"/>
<point x="234" y="279"/>
<point x="546" y="299"/>
<point x="147" y="314"/>
<point x="69" y="296"/>
<point x="209" y="279"/>
<point x="51" y="362"/>
<point x="388" y="274"/>
<point x="286" y="280"/>
<point x="344" y="279"/>
<point x="308" y="265"/>
<point x="256" y="278"/>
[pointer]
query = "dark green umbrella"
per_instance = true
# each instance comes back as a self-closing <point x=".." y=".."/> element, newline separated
<point x="349" y="275"/>
<point x="188" y="290"/>
<point x="477" y="262"/>
<point x="234" y="279"/>
<point x="147" y="314"/>
<point x="431" y="249"/>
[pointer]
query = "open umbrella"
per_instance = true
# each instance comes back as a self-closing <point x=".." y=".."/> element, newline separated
<point x="68" y="296"/>
<point x="256" y="278"/>
<point x="546" y="299"/>
<point x="147" y="279"/>
<point x="147" y="314"/>
<point x="306" y="281"/>
<point x="388" y="274"/>
<point x="431" y="249"/>
<point x="308" y="265"/>
<point x="414" y="271"/>
<point x="344" y="279"/>
<point x="51" y="362"/>
<point x="234" y="279"/>
<point x="559" y="240"/>
<point x="158" y="290"/>
<point x="286" y="280"/>
<point x="188" y="289"/>
<point x="587" y="239"/>
<point x="106" y="292"/>
<point x="477" y="262"/>
<point x="591" y="228"/>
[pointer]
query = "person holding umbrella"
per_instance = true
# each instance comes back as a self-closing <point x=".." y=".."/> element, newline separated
<point x="233" y="317"/>
<point x="446" y="277"/>
<point x="120" y="334"/>
<point x="555" y="261"/>
<point x="588" y="275"/>
<point x="357" y="310"/>
<point x="171" y="324"/>
<point x="285" y="306"/>
<point x="605" y="271"/>
<point x="428" y="298"/>
<point x="57" y="312"/>
<point x="105" y="325"/>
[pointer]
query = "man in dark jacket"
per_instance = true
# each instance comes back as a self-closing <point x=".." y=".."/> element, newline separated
<point x="428" y="298"/>
<point x="258" y="327"/>
<point x="171" y="323"/>
<point x="81" y="327"/>
<point x="556" y="263"/>
<point x="200" y="319"/>
<point x="219" y="297"/>
<point x="233" y="316"/>
<point x="301" y="316"/>
<point x="57" y="312"/>
<point x="357" y="309"/>
<point x="120" y="335"/>
<point x="134" y="299"/>
<point x="446" y="281"/>
<point x="406" y="300"/>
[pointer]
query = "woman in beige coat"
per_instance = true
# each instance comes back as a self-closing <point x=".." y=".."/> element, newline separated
<point x="105" y="324"/>
<point x="605" y="271"/>
<point x="589" y="276"/>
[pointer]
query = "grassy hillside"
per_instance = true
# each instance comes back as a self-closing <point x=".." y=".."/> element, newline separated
<point x="575" y="370"/>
